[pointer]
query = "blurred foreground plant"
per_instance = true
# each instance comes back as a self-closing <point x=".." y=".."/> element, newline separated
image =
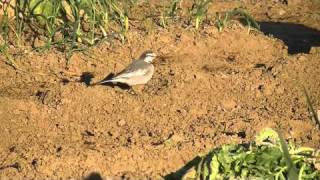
<point x="269" y="157"/>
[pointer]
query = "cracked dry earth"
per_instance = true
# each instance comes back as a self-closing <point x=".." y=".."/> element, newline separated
<point x="210" y="88"/>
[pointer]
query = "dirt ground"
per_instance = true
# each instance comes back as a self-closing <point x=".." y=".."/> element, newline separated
<point x="209" y="88"/>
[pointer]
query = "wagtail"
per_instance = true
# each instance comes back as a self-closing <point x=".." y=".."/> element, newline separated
<point x="138" y="72"/>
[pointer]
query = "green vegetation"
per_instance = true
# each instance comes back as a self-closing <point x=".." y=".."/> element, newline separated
<point x="223" y="21"/>
<point x="269" y="157"/>
<point x="72" y="25"/>
<point x="67" y="21"/>
<point x="314" y="115"/>
<point x="199" y="10"/>
<point x="169" y="12"/>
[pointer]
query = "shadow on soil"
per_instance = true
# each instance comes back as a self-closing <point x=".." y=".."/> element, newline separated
<point x="94" y="176"/>
<point x="86" y="78"/>
<point x="179" y="174"/>
<point x="298" y="38"/>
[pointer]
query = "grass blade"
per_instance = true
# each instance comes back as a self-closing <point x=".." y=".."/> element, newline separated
<point x="313" y="112"/>
<point x="292" y="170"/>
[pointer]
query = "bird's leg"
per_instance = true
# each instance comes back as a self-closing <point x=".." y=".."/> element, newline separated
<point x="131" y="91"/>
<point x="138" y="89"/>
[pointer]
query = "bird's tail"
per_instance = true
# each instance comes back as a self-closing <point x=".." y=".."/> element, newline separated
<point x="102" y="82"/>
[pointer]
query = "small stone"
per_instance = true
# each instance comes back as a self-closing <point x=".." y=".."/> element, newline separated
<point x="256" y="73"/>
<point x="280" y="90"/>
<point x="121" y="123"/>
<point x="16" y="111"/>
<point x="183" y="112"/>
<point x="258" y="94"/>
<point x="58" y="36"/>
<point x="229" y="104"/>
<point x="314" y="50"/>
<point x="268" y="90"/>
<point x="38" y="42"/>
<point x="177" y="138"/>
<point x="302" y="58"/>
<point x="281" y="12"/>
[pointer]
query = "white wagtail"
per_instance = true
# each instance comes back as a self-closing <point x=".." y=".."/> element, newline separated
<point x="138" y="72"/>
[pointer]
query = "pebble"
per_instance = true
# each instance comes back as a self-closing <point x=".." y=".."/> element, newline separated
<point x="229" y="104"/>
<point x="280" y="90"/>
<point x="314" y="50"/>
<point x="183" y="112"/>
<point x="39" y="43"/>
<point x="281" y="12"/>
<point x="268" y="90"/>
<point x="121" y="123"/>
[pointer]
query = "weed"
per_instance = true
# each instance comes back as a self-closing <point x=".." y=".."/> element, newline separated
<point x="8" y="59"/>
<point x="77" y="22"/>
<point x="71" y="25"/>
<point x="313" y="113"/>
<point x="51" y="22"/>
<point x="121" y="17"/>
<point x="4" y="32"/>
<point x="4" y="24"/>
<point x="223" y="21"/>
<point x="169" y="12"/>
<point x="199" y="10"/>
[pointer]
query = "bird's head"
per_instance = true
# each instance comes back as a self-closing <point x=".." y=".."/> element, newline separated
<point x="148" y="56"/>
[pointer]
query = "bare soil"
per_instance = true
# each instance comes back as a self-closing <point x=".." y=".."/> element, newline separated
<point x="209" y="88"/>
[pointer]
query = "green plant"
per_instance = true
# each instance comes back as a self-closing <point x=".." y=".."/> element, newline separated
<point x="122" y="18"/>
<point x="4" y="24"/>
<point x="169" y="12"/>
<point x="314" y="114"/>
<point x="199" y="10"/>
<point x="223" y="21"/>
<point x="269" y="157"/>
<point x="72" y="24"/>
<point x="52" y="22"/>
<point x="4" y="32"/>
<point x="8" y="59"/>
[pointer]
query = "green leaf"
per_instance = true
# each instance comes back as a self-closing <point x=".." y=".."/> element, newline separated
<point x="291" y="168"/>
<point x="267" y="134"/>
<point x="258" y="160"/>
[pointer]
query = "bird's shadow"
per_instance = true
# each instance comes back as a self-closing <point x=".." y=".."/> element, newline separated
<point x="86" y="77"/>
<point x="94" y="176"/>
<point x="297" y="37"/>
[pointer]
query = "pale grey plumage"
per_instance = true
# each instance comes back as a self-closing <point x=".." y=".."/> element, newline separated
<point x="138" y="72"/>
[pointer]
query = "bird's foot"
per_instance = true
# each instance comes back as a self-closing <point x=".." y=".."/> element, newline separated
<point x="132" y="92"/>
<point x="136" y="90"/>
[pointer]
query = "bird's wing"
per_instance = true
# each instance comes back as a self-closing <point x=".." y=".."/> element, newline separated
<point x="137" y="68"/>
<point x="139" y="72"/>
